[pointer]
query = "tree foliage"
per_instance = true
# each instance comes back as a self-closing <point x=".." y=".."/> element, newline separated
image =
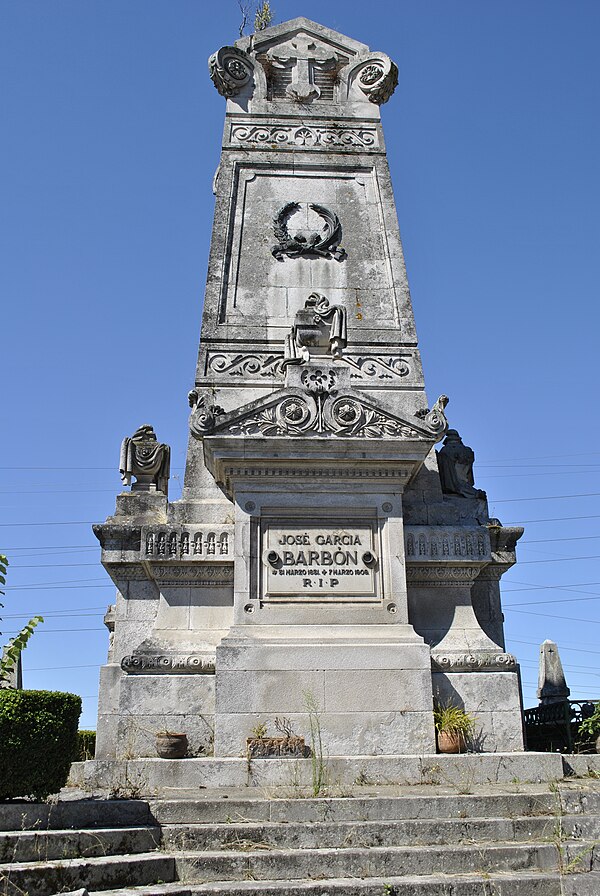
<point x="9" y="656"/>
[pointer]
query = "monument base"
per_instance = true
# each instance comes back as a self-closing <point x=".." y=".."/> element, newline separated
<point x="154" y="777"/>
<point x="493" y="698"/>
<point x="362" y="690"/>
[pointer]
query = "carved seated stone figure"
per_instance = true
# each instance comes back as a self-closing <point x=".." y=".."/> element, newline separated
<point x="144" y="457"/>
<point x="319" y="329"/>
<point x="455" y="463"/>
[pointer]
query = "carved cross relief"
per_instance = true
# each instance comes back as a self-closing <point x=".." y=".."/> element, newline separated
<point x="304" y="56"/>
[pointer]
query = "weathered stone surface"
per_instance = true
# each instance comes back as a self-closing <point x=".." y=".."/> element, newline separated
<point x="321" y="552"/>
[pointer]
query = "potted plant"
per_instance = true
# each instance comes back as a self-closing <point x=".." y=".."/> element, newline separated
<point x="261" y="746"/>
<point x="590" y="727"/>
<point x="454" y="727"/>
<point x="170" y="744"/>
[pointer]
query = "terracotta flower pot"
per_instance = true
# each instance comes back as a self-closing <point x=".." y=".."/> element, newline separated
<point x="267" y="747"/>
<point x="451" y="742"/>
<point x="171" y="746"/>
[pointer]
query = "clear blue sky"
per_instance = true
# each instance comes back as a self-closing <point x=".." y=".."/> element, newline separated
<point x="111" y="134"/>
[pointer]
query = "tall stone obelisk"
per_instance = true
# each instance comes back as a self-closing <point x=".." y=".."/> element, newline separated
<point x="319" y="555"/>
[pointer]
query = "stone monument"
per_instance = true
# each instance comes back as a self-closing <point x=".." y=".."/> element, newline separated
<point x="322" y="554"/>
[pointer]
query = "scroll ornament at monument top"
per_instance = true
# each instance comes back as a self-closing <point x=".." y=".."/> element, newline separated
<point x="303" y="70"/>
<point x="230" y="70"/>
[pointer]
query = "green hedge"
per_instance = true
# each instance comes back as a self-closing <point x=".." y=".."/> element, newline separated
<point x="86" y="745"/>
<point x="38" y="741"/>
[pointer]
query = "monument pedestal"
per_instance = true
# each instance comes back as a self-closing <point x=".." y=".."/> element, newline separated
<point x="321" y="632"/>
<point x="368" y="688"/>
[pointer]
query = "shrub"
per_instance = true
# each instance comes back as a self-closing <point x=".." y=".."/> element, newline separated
<point x="38" y="741"/>
<point x="590" y="727"/>
<point x="86" y="745"/>
<point x="453" y="719"/>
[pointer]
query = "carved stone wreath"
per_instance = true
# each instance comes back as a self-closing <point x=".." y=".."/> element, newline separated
<point x="305" y="242"/>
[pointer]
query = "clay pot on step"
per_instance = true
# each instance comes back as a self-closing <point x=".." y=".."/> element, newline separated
<point x="170" y="745"/>
<point x="451" y="742"/>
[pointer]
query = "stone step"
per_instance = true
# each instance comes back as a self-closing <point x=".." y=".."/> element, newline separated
<point x="96" y="873"/>
<point x="394" y="861"/>
<point x="377" y="808"/>
<point x="504" y="884"/>
<point x="74" y="813"/>
<point x="36" y="846"/>
<point x="336" y="835"/>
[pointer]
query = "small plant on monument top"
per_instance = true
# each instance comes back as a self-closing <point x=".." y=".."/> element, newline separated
<point x="453" y="719"/>
<point x="284" y="726"/>
<point x="263" y="15"/>
<point x="259" y="730"/>
<point x="9" y="656"/>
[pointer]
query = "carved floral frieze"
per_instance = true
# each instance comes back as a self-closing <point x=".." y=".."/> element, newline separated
<point x="377" y="367"/>
<point x="281" y="135"/>
<point x="199" y="574"/>
<point x="250" y="365"/>
<point x="441" y="575"/>
<point x="267" y="365"/>
<point x="179" y="664"/>
<point x="473" y="662"/>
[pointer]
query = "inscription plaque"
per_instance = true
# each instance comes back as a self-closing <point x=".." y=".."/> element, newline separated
<point x="319" y="561"/>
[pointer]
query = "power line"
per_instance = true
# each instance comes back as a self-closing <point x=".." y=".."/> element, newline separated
<point x="547" y="560"/>
<point x="555" y="519"/>
<point x="548" y="540"/>
<point x="57" y="614"/>
<point x="60" y="668"/>
<point x="44" y="584"/>
<point x="533" y="603"/>
<point x="56" y="587"/>
<point x="548" y="616"/>
<point x="50" y="565"/>
<point x="595" y="652"/>
<point x="547" y="498"/>
<point x="55" y="523"/>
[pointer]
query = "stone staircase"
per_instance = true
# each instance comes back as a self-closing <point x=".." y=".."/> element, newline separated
<point x="519" y="840"/>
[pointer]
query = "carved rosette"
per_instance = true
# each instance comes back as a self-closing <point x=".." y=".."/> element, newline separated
<point x="231" y="70"/>
<point x="377" y="78"/>
<point x="473" y="662"/>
